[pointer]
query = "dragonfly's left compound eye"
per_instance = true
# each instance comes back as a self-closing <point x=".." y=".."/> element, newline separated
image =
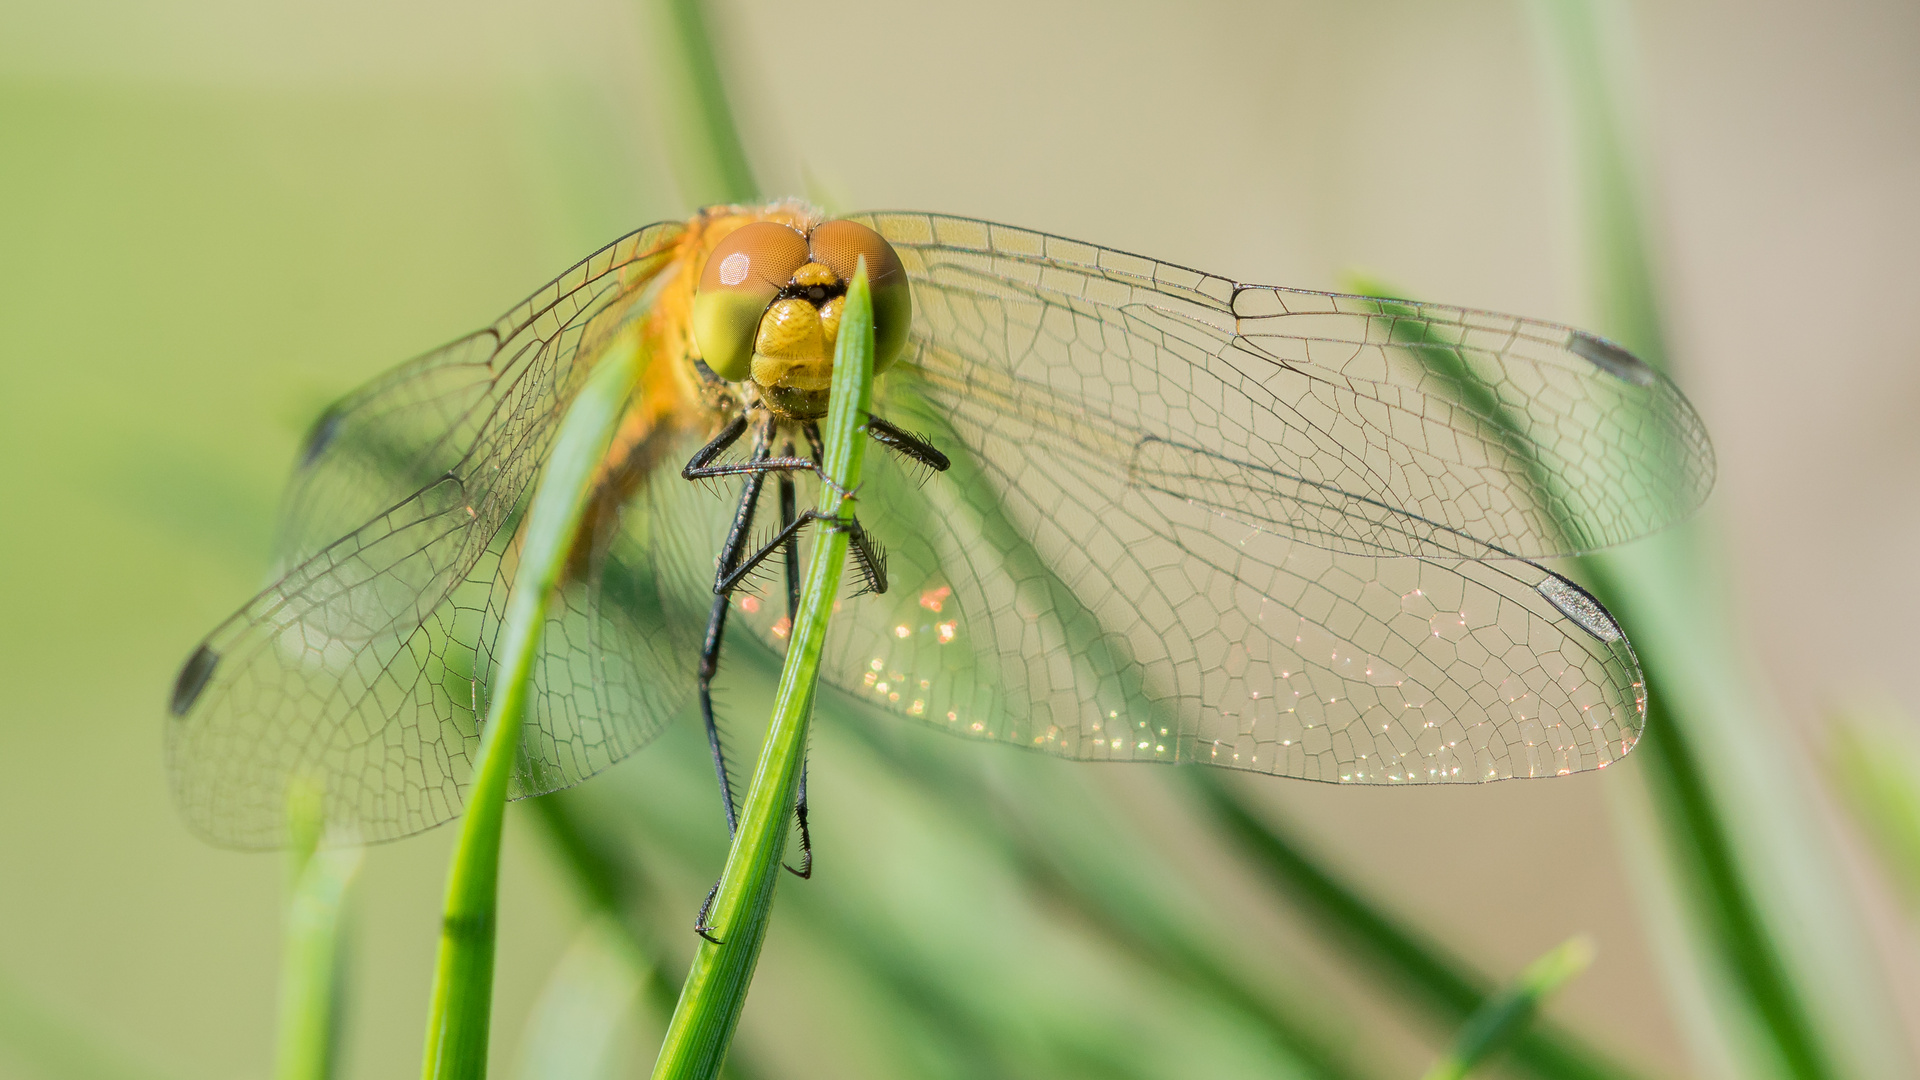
<point x="839" y="245"/>
<point x="744" y="274"/>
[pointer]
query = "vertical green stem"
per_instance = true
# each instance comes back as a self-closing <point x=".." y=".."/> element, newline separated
<point x="716" y="989"/>
<point x="310" y="983"/>
<point x="709" y="160"/>
<point x="457" y="1024"/>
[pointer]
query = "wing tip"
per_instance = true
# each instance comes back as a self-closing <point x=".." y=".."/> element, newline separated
<point x="1613" y="359"/>
<point x="192" y="680"/>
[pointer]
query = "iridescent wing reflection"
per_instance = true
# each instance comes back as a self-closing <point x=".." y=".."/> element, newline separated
<point x="1282" y="531"/>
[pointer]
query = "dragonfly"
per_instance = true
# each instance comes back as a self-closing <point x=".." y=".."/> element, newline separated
<point x="1130" y="511"/>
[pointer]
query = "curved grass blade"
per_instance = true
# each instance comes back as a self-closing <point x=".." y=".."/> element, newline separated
<point x="1743" y="843"/>
<point x="1113" y="891"/>
<point x="459" y="1015"/>
<point x="311" y="985"/>
<point x="716" y="989"/>
<point x="1506" y="1015"/>
<point x="710" y="162"/>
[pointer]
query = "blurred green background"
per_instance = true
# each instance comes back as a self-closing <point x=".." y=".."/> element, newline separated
<point x="216" y="216"/>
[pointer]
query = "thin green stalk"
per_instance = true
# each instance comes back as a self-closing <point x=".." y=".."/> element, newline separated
<point x="458" y="1018"/>
<point x="703" y="142"/>
<point x="1506" y="1015"/>
<point x="1412" y="965"/>
<point x="311" y="982"/>
<point x="716" y="989"/>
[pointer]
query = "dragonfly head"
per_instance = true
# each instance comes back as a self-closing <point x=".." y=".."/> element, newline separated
<point x="768" y="306"/>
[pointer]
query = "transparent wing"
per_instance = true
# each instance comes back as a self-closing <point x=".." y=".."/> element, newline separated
<point x="364" y="667"/>
<point x="1166" y="540"/>
<point x="1352" y="423"/>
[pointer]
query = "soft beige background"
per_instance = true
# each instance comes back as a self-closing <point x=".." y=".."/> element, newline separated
<point x="215" y="215"/>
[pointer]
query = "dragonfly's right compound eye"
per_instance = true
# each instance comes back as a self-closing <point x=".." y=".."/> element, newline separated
<point x="743" y="275"/>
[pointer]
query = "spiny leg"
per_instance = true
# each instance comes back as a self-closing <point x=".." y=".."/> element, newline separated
<point x="716" y="446"/>
<point x="701" y="467"/>
<point x="906" y="444"/>
<point x="787" y="517"/>
<point x="867" y="554"/>
<point x="716" y="630"/>
<point x="730" y="553"/>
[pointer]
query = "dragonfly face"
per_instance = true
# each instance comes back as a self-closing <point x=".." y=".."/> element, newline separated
<point x="1187" y="520"/>
<point x="769" y="301"/>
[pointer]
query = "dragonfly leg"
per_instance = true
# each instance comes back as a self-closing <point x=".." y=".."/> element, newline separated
<point x="870" y="558"/>
<point x="730" y="553"/>
<point x="700" y="924"/>
<point x="716" y="446"/>
<point x="906" y="443"/>
<point x="788" y="506"/>
<point x="701" y="466"/>
<point x="729" y="582"/>
<point x="787" y="516"/>
<point x="806" y="838"/>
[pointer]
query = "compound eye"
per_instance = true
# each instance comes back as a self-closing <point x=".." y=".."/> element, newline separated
<point x="742" y="276"/>
<point x="839" y="245"/>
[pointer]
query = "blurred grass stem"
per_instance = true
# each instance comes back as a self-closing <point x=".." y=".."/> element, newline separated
<point x="460" y="1011"/>
<point x="312" y="979"/>
<point x="1405" y="961"/>
<point x="1506" y="1015"/>
<point x="703" y="142"/>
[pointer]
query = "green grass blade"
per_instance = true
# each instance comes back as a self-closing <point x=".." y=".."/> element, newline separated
<point x="311" y="984"/>
<point x="1115" y="891"/>
<point x="703" y="142"/>
<point x="1718" y="884"/>
<point x="1507" y="1014"/>
<point x="716" y="989"/>
<point x="1876" y="769"/>
<point x="460" y="1011"/>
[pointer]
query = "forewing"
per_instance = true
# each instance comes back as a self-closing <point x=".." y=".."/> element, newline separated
<point x="364" y="668"/>
<point x="1362" y="425"/>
